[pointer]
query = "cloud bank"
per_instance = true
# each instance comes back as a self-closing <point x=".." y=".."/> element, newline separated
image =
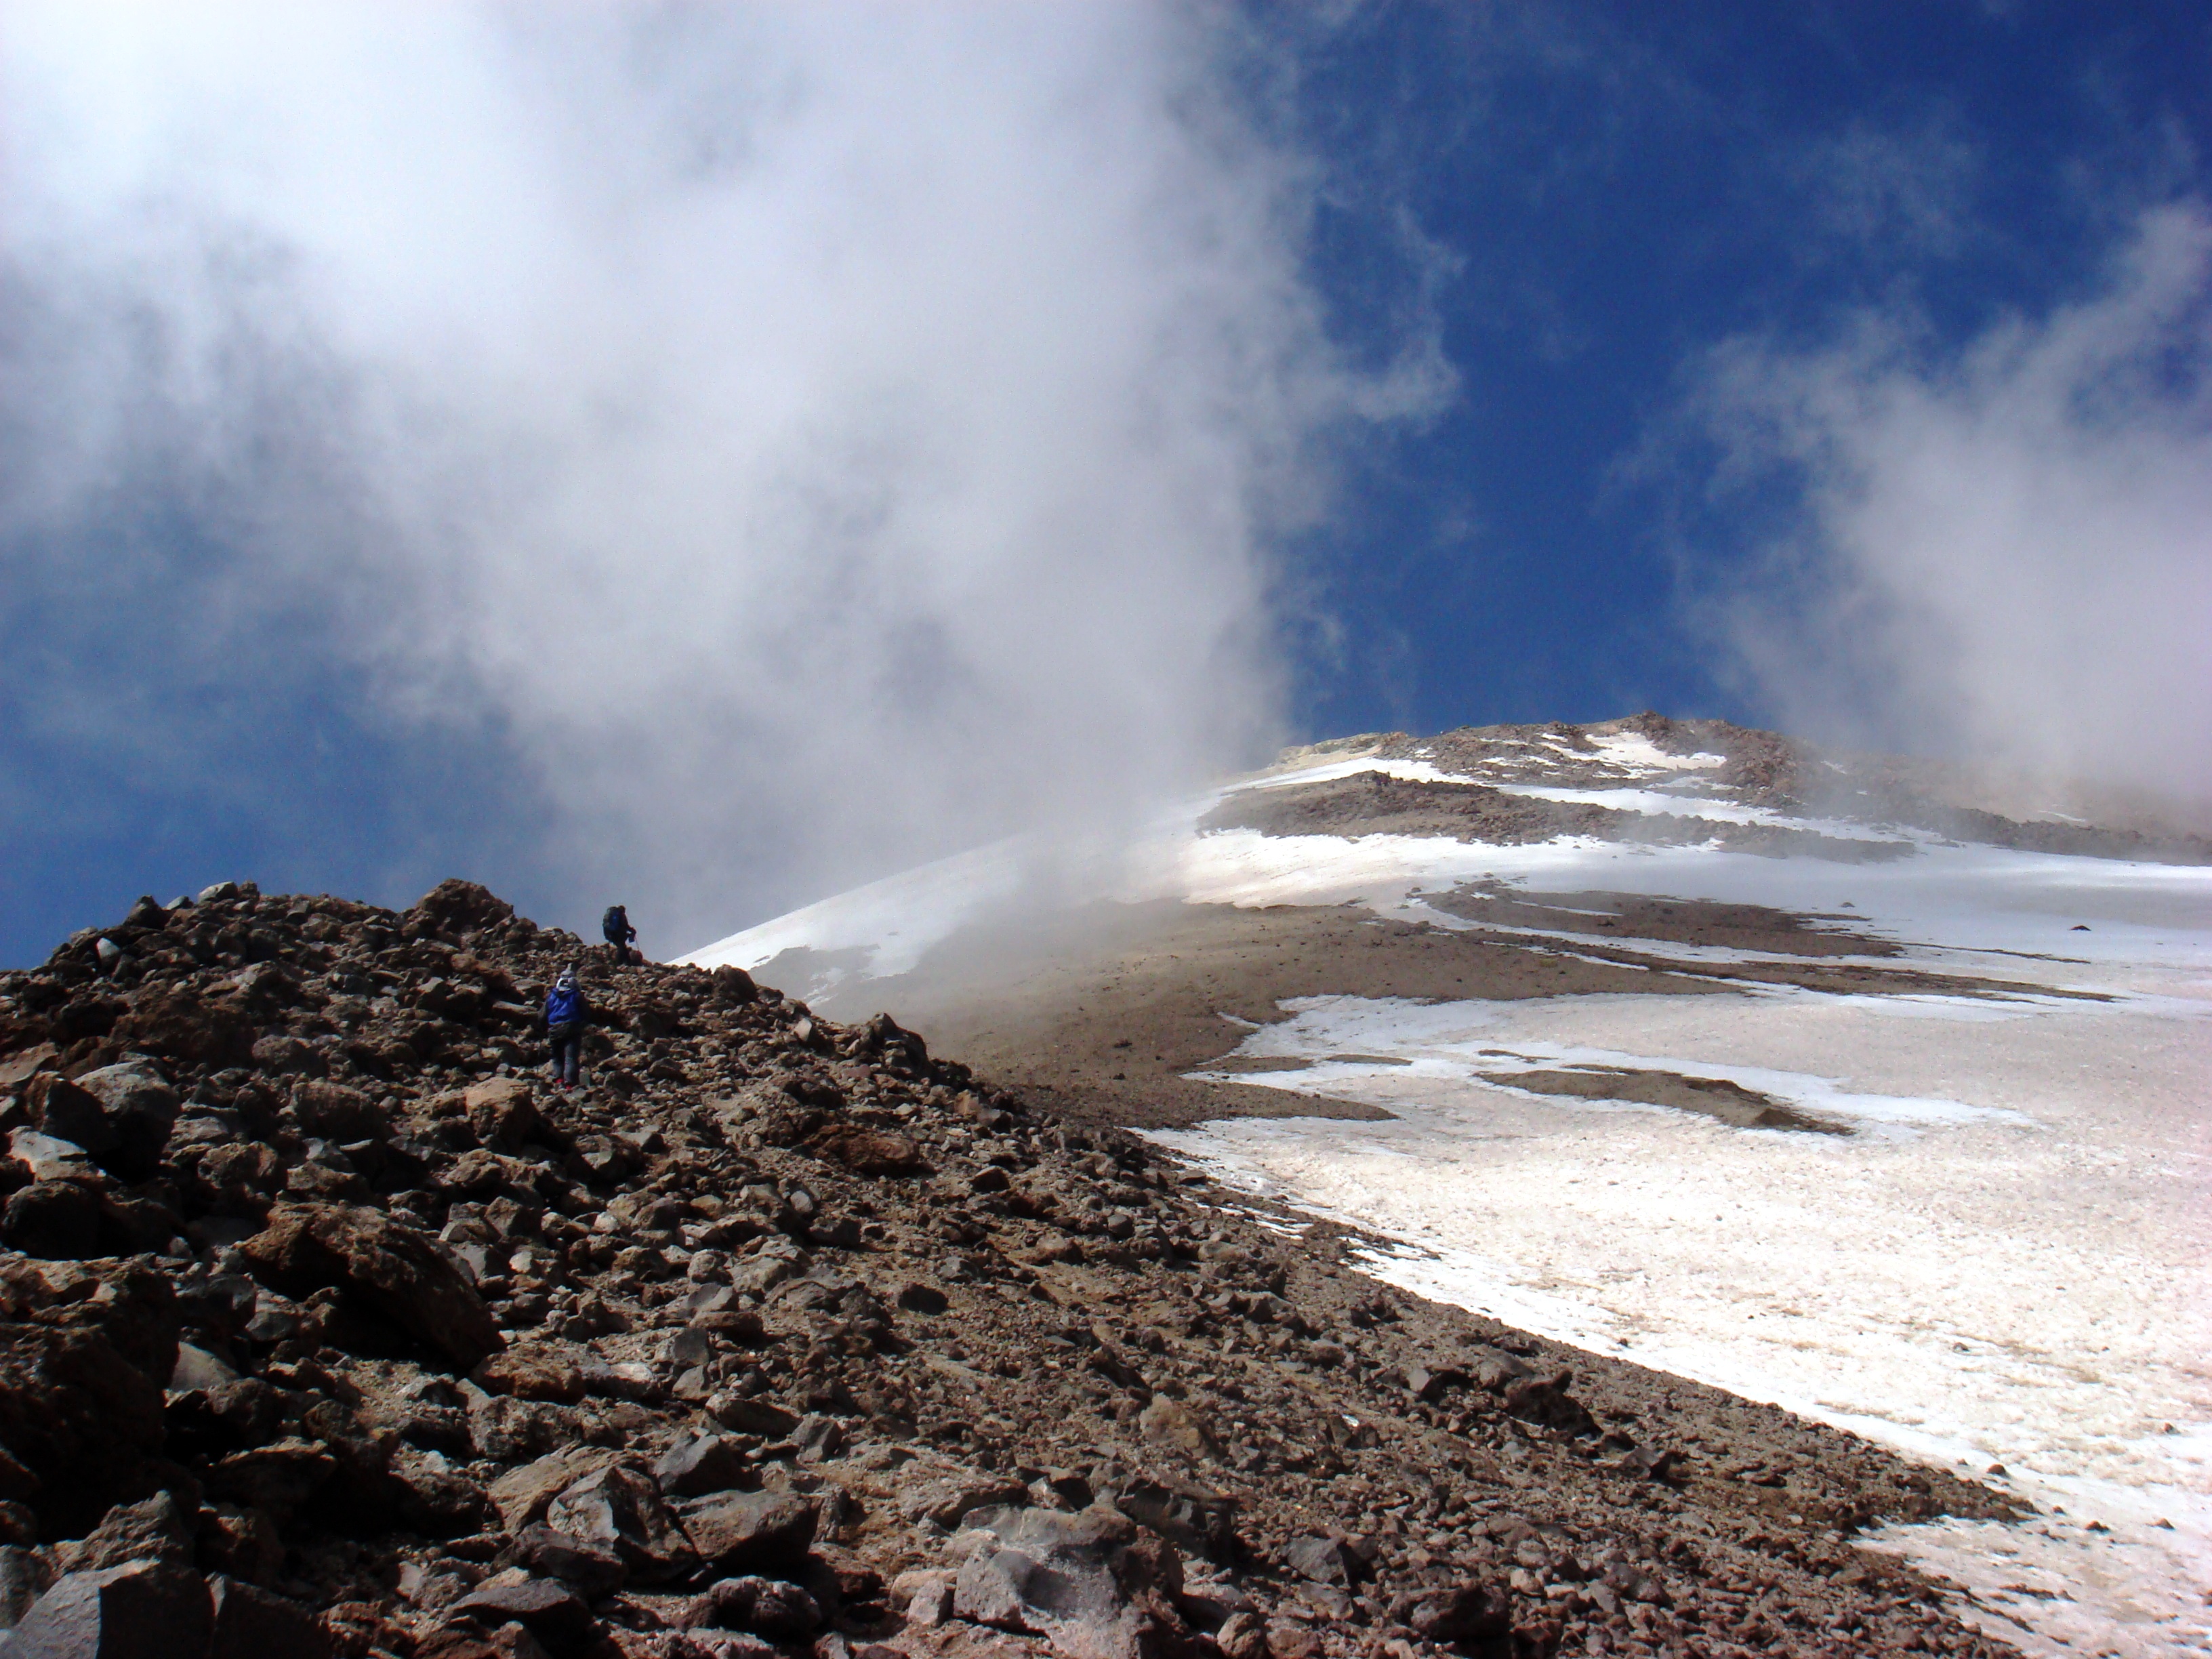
<point x="805" y="439"/>
<point x="2003" y="551"/>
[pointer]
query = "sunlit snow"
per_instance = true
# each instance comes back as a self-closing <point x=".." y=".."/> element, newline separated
<point x="2007" y="1260"/>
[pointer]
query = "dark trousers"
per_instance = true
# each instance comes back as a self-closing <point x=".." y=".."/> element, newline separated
<point x="568" y="1052"/>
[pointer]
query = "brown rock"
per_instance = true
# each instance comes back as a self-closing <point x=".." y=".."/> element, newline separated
<point x="276" y="1478"/>
<point x="130" y="1304"/>
<point x="590" y="1568"/>
<point x="746" y="1415"/>
<point x="547" y="1610"/>
<point x="946" y="1501"/>
<point x="337" y="1113"/>
<point x="867" y="1151"/>
<point x="20" y="1067"/>
<point x="743" y="1532"/>
<point x="431" y="1498"/>
<point x="530" y="1373"/>
<point x="61" y="1108"/>
<point x="153" y="1529"/>
<point x="1170" y="1423"/>
<point x="252" y="1624"/>
<point x="143" y="1610"/>
<point x="54" y="1220"/>
<point x="523" y="1495"/>
<point x="388" y="1268"/>
<point x="242" y="1541"/>
<point x="1095" y="1584"/>
<point x="620" y="1508"/>
<point x="1242" y="1637"/>
<point x="183" y="1026"/>
<point x="247" y="1165"/>
<point x="1464" y="1615"/>
<point x="502" y="1114"/>
<point x="698" y="1464"/>
<point x="463" y="907"/>
<point x="78" y="1422"/>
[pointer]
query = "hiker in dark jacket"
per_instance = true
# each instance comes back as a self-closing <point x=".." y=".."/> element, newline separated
<point x="565" y="1013"/>
<point x="614" y="925"/>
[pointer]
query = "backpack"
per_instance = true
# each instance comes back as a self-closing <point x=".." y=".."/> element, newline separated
<point x="564" y="1007"/>
<point x="616" y="923"/>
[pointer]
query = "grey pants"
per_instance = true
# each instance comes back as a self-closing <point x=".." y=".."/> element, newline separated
<point x="568" y="1052"/>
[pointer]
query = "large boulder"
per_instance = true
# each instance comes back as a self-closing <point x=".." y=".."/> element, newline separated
<point x="867" y="1151"/>
<point x="1469" y="1616"/>
<point x="592" y="1570"/>
<point x="142" y="1610"/>
<point x="766" y="1607"/>
<point x="549" y="1611"/>
<point x="136" y="1108"/>
<point x="183" y="1026"/>
<point x="58" y="1220"/>
<point x="619" y="1508"/>
<point x="739" y="1533"/>
<point x="252" y="1623"/>
<point x="388" y="1269"/>
<point x="131" y="1304"/>
<point x="80" y="1351"/>
<point x="62" y="1109"/>
<point x="153" y="1529"/>
<point x="502" y="1113"/>
<point x="523" y="1495"/>
<point x="462" y="908"/>
<point x="1097" y="1585"/>
<point x="337" y="1113"/>
<point x="77" y="1422"/>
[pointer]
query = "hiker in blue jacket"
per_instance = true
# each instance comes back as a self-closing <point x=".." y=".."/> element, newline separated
<point x="615" y="927"/>
<point x="565" y="1013"/>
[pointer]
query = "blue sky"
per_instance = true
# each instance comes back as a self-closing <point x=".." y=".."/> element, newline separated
<point x="1614" y="191"/>
<point x="708" y="504"/>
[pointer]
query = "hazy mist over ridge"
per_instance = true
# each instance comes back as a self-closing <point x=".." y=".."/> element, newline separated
<point x="805" y="440"/>
<point x="709" y="456"/>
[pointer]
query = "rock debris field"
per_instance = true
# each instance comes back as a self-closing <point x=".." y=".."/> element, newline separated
<point x="330" y="1328"/>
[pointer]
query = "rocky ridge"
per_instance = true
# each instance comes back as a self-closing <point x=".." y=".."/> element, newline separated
<point x="1889" y="795"/>
<point x="325" y="1327"/>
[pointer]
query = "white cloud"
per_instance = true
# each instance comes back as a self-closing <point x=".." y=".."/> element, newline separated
<point x="818" y="436"/>
<point x="2005" y="551"/>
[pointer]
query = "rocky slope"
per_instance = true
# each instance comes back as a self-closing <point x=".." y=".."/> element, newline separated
<point x="326" y="1327"/>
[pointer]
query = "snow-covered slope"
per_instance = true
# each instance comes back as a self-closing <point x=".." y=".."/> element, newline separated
<point x="1975" y="1223"/>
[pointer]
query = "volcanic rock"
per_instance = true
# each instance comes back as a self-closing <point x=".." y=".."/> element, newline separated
<point x="740" y="1533"/>
<point x="548" y="1611"/>
<point x="141" y="1610"/>
<point x="393" y="1271"/>
<point x="619" y="1508"/>
<point x="252" y="1623"/>
<point x="1095" y="1584"/>
<point x="316" y="1151"/>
